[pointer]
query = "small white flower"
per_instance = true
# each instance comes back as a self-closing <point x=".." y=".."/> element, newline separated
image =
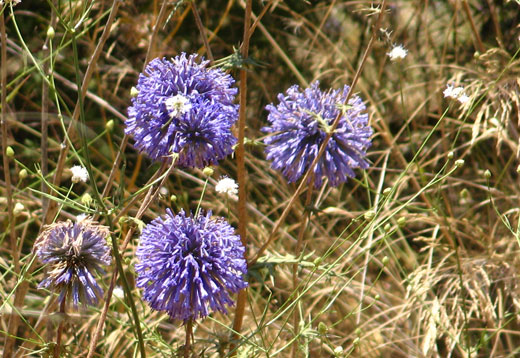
<point x="456" y="93"/>
<point x="463" y="98"/>
<point x="118" y="293"/>
<point x="79" y="174"/>
<point x="163" y="191"/>
<point x="453" y="92"/>
<point x="18" y="208"/>
<point x="81" y="217"/>
<point x="397" y="53"/>
<point x="177" y="105"/>
<point x="227" y="186"/>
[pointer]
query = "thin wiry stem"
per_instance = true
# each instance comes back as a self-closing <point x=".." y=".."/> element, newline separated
<point x="189" y="333"/>
<point x="160" y="17"/>
<point x="202" y="31"/>
<point x="479" y="45"/>
<point x="61" y="325"/>
<point x="334" y="125"/>
<point x="47" y="69"/>
<point x="297" y="253"/>
<point x="13" y="320"/>
<point x="81" y="96"/>
<point x="7" y="174"/>
<point x="241" y="171"/>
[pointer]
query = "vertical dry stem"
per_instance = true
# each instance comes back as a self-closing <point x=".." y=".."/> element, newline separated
<point x="241" y="169"/>
<point x="202" y="31"/>
<point x="478" y="41"/>
<point x="297" y="253"/>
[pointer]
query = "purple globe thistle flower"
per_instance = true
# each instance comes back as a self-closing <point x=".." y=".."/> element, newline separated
<point x="183" y="107"/>
<point x="73" y="252"/>
<point x="300" y="123"/>
<point x="188" y="265"/>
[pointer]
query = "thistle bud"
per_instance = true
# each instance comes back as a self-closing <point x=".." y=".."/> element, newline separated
<point x="50" y="32"/>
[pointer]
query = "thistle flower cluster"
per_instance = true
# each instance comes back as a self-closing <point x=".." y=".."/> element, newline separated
<point x="189" y="265"/>
<point x="183" y="107"/>
<point x="73" y="253"/>
<point x="299" y="125"/>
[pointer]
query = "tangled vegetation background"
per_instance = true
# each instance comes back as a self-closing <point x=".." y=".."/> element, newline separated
<point x="418" y="256"/>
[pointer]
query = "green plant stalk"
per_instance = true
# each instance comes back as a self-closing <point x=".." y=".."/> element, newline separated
<point x="14" y="319"/>
<point x="201" y="197"/>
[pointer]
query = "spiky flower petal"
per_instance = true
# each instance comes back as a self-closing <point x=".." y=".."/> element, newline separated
<point x="73" y="252"/>
<point x="299" y="125"/>
<point x="182" y="107"/>
<point x="189" y="265"/>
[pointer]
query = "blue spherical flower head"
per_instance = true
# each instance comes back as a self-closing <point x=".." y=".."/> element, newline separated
<point x="189" y="265"/>
<point x="300" y="123"/>
<point x="179" y="103"/>
<point x="73" y="252"/>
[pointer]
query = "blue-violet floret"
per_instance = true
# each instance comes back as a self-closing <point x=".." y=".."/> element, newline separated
<point x="189" y="265"/>
<point x="179" y="102"/>
<point x="73" y="252"/>
<point x="299" y="125"/>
